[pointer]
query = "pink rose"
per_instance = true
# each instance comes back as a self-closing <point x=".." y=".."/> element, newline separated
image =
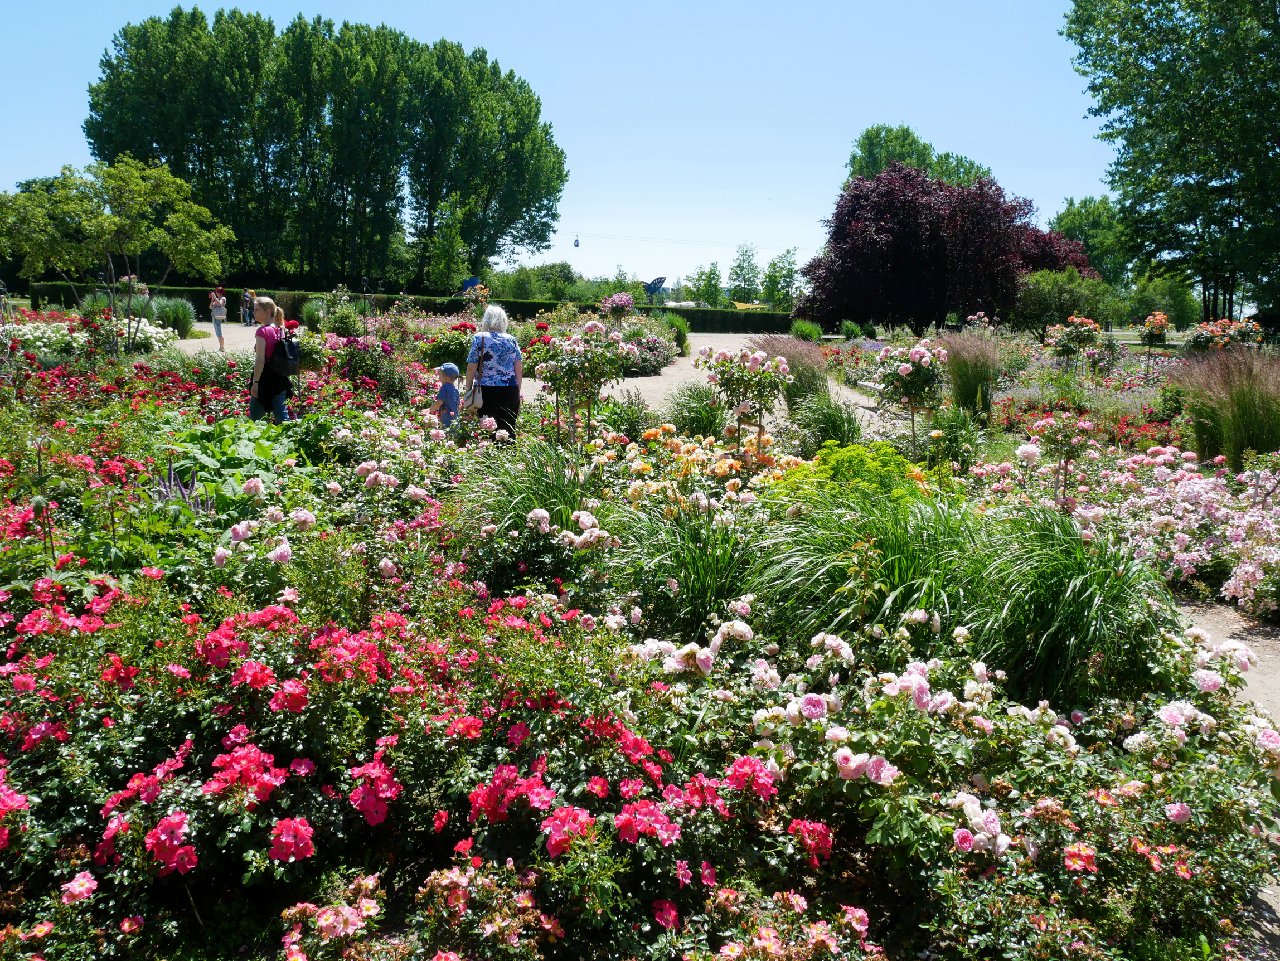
<point x="1178" y="813"/>
<point x="963" y="838"/>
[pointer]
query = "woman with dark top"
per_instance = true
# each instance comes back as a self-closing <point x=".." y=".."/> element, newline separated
<point x="496" y="355"/>
<point x="268" y="391"/>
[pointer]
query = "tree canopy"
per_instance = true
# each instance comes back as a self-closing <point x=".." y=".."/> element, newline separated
<point x="335" y="153"/>
<point x="903" y="248"/>
<point x="118" y="214"/>
<point x="1189" y="93"/>
<point x="1095" y="223"/>
<point x="880" y="146"/>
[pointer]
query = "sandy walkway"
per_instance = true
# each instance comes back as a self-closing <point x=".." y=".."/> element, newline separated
<point x="1262" y="942"/>
<point x="656" y="391"/>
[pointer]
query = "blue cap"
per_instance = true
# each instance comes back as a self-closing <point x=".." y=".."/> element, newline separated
<point x="450" y="369"/>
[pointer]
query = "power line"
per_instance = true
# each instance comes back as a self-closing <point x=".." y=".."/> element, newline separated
<point x="680" y="242"/>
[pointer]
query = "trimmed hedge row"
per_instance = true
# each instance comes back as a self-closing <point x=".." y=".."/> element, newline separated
<point x="701" y="320"/>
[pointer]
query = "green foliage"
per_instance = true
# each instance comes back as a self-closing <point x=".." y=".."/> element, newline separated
<point x="955" y="439"/>
<point x="77" y="222"/>
<point x="702" y="551"/>
<point x="1049" y="297"/>
<point x="696" y="411"/>
<point x="806" y="330"/>
<point x="822" y="419"/>
<point x="1065" y="618"/>
<point x="744" y="276"/>
<point x="679" y="328"/>
<point x="876" y="469"/>
<point x="1233" y="397"/>
<point x="176" y="313"/>
<point x="1206" y="211"/>
<point x="391" y="138"/>
<point x="1167" y="294"/>
<point x="705" y="286"/>
<point x="781" y="280"/>
<point x="312" y="316"/>
<point x="880" y="146"/>
<point x="807" y="381"/>
<point x="850" y="330"/>
<point x="1095" y="223"/>
<point x="628" y="414"/>
<point x="345" y="320"/>
<point x="974" y="365"/>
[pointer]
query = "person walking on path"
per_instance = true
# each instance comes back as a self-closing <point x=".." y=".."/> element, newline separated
<point x="268" y="390"/>
<point x="496" y="355"/>
<point x="218" y="313"/>
<point x="246" y="308"/>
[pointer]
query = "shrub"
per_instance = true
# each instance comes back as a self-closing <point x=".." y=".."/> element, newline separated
<point x="176" y="313"/>
<point x="653" y="355"/>
<point x="973" y="362"/>
<point x="312" y="315"/>
<point x="806" y="330"/>
<point x="876" y="469"/>
<point x="703" y="552"/>
<point x="344" y="320"/>
<point x="679" y="328"/>
<point x="1233" y="397"/>
<point x="361" y="359"/>
<point x="821" y="419"/>
<point x="695" y="411"/>
<point x="954" y="438"/>
<point x="869" y="330"/>
<point x="1066" y="618"/>
<point x="850" y="330"/>
<point x="628" y="414"/>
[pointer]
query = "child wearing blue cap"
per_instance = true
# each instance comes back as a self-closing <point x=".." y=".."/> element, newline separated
<point x="447" y="399"/>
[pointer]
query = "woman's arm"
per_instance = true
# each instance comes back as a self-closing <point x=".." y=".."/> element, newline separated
<point x="259" y="361"/>
<point x="471" y="374"/>
<point x="519" y="370"/>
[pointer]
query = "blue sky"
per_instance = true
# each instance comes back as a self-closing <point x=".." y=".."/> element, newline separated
<point x="689" y="128"/>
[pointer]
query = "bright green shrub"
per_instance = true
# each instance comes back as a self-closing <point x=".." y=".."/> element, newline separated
<point x="806" y="330"/>
<point x="695" y="410"/>
<point x="176" y="313"/>
<point x="822" y="419"/>
<point x="313" y="314"/>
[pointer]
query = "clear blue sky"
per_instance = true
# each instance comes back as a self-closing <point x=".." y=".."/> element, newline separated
<point x="689" y="128"/>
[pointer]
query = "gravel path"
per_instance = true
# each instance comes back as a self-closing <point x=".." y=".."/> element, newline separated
<point x="656" y="391"/>
<point x="1262" y="941"/>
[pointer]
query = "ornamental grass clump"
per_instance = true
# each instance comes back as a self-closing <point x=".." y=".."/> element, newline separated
<point x="1233" y="398"/>
<point x="973" y="367"/>
<point x="1065" y="618"/>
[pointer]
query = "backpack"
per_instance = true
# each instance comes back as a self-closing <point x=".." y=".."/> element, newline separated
<point x="285" y="357"/>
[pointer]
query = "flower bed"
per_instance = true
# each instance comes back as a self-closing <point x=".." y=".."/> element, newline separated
<point x="346" y="688"/>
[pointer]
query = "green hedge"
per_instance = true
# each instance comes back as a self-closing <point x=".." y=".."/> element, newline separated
<point x="701" y="320"/>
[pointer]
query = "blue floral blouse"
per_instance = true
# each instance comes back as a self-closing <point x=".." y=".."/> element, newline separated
<point x="501" y="352"/>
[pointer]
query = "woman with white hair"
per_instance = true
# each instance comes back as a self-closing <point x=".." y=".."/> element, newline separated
<point x="495" y="362"/>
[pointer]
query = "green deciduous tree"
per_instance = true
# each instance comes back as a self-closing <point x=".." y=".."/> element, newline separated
<point x="1095" y="223"/>
<point x="1048" y="297"/>
<point x="336" y="154"/>
<point x="880" y="146"/>
<point x="115" y="216"/>
<point x="704" y="286"/>
<point x="1189" y="94"/>
<point x="780" y="278"/>
<point x="744" y="275"/>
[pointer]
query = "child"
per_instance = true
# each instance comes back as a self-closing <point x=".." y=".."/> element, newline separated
<point x="447" y="400"/>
